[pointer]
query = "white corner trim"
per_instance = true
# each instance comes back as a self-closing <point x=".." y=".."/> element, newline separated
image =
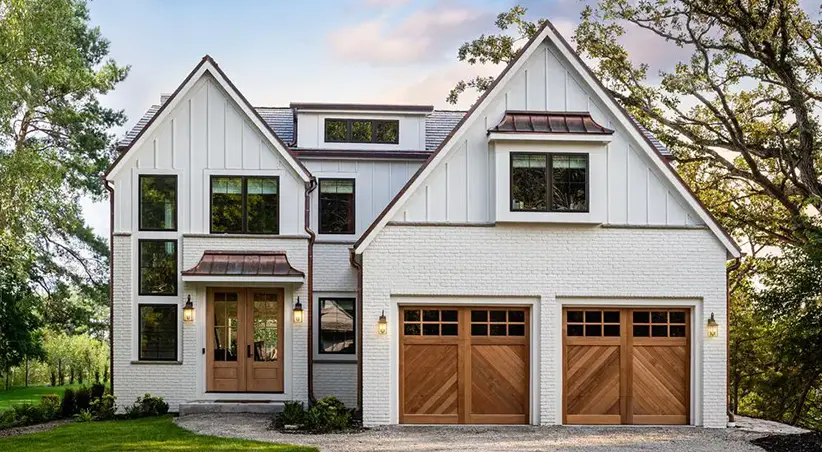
<point x="551" y="137"/>
<point x="456" y="138"/>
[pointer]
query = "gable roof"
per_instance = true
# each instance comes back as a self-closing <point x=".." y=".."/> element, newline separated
<point x="208" y="65"/>
<point x="547" y="31"/>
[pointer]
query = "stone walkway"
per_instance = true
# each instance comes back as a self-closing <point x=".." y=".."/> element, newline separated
<point x="482" y="438"/>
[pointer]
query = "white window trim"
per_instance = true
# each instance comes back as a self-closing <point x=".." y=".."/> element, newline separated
<point x="315" y="207"/>
<point x="320" y="358"/>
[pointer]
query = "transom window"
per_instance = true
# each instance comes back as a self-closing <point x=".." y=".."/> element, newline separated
<point x="362" y="131"/>
<point x="158" y="202"/>
<point x="549" y="182"/>
<point x="337" y="214"/>
<point x="337" y="320"/>
<point x="659" y="323"/>
<point x="158" y="267"/>
<point x="245" y="205"/>
<point x="158" y="332"/>
<point x="593" y="323"/>
<point x="498" y="322"/>
<point x="431" y="322"/>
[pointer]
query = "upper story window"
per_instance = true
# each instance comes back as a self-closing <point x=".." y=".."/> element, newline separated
<point x="337" y="334"/>
<point x="158" y="267"/>
<point x="245" y="204"/>
<point x="362" y="131"/>
<point x="158" y="202"/>
<point x="336" y="211"/>
<point x="549" y="182"/>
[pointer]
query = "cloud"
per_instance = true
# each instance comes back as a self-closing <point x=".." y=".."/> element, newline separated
<point x="425" y="35"/>
<point x="434" y="87"/>
<point x="384" y="3"/>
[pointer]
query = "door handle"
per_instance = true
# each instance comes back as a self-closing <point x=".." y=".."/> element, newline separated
<point x="248" y="351"/>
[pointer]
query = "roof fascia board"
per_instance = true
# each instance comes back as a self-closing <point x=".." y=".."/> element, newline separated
<point x="664" y="167"/>
<point x="447" y="144"/>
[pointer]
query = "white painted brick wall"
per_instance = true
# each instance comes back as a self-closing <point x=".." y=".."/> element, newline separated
<point x="333" y="271"/>
<point x="336" y="379"/>
<point x="546" y="261"/>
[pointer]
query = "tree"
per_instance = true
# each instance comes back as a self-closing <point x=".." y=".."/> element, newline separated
<point x="18" y="339"/>
<point x="54" y="141"/>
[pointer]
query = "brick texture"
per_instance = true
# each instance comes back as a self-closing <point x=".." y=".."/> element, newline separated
<point x="548" y="262"/>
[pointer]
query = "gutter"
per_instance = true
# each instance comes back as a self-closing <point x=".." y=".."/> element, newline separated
<point x="310" y="186"/>
<point x="732" y="267"/>
<point x="358" y="267"/>
<point x="110" y="191"/>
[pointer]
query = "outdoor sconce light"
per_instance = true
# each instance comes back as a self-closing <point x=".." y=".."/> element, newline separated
<point x="298" y="311"/>
<point x="713" y="327"/>
<point x="382" y="324"/>
<point x="188" y="312"/>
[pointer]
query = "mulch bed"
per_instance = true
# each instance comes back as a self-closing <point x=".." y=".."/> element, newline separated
<point x="14" y="431"/>
<point x="805" y="442"/>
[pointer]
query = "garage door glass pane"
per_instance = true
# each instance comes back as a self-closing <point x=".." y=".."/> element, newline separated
<point x="611" y="317"/>
<point x="677" y="317"/>
<point x="575" y="330"/>
<point x="412" y="316"/>
<point x="497" y="316"/>
<point x="479" y="316"/>
<point x="593" y="330"/>
<point x="430" y="329"/>
<point x="642" y="317"/>
<point x="659" y="317"/>
<point x="593" y="316"/>
<point x="412" y="329"/>
<point x="574" y="316"/>
<point x="479" y="330"/>
<point x="449" y="329"/>
<point x="449" y="316"/>
<point x="677" y="330"/>
<point x="498" y="329"/>
<point x="642" y="331"/>
<point x="431" y="316"/>
<point x="516" y="330"/>
<point x="612" y="330"/>
<point x="659" y="331"/>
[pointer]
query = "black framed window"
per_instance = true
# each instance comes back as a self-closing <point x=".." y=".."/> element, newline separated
<point x="337" y="326"/>
<point x="337" y="210"/>
<point x="158" y="267"/>
<point x="158" y="202"/>
<point x="158" y="332"/>
<point x="549" y="182"/>
<point x="245" y="204"/>
<point x="362" y="131"/>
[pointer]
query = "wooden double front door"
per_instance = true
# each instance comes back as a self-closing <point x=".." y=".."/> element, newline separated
<point x="626" y="366"/>
<point x="464" y="365"/>
<point x="244" y="351"/>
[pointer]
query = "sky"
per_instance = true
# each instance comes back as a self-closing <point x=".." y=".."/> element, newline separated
<point x="277" y="52"/>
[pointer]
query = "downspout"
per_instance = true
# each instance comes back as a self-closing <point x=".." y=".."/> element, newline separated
<point x="310" y="186"/>
<point x="732" y="267"/>
<point x="358" y="266"/>
<point x="110" y="190"/>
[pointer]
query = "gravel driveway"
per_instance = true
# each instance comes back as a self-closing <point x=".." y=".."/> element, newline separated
<point x="467" y="438"/>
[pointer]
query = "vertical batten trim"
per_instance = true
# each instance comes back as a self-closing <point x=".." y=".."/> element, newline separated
<point x="446" y="193"/>
<point x="607" y="180"/>
<point x="190" y="163"/>
<point x="628" y="153"/>
<point x="154" y="149"/>
<point x="225" y="139"/>
<point x="427" y="201"/>
<point x="648" y="176"/>
<point x="547" y="83"/>
<point x="207" y="128"/>
<point x="468" y="180"/>
<point x="565" y="82"/>
<point x="174" y="157"/>
<point x="526" y="91"/>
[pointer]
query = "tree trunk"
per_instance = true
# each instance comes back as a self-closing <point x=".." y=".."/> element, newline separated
<point x="800" y="404"/>
<point x="60" y="375"/>
<point x="7" y="379"/>
<point x="27" y="371"/>
<point x="71" y="375"/>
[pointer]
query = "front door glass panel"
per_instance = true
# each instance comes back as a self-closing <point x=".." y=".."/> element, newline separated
<point x="225" y="326"/>
<point x="266" y="327"/>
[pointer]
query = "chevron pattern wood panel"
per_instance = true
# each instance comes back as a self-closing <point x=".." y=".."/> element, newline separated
<point x="499" y="379"/>
<point x="660" y="384"/>
<point x="593" y="375"/>
<point x="430" y="375"/>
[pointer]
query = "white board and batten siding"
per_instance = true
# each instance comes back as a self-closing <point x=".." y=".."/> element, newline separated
<point x="311" y="131"/>
<point x="461" y="189"/>
<point x="206" y="134"/>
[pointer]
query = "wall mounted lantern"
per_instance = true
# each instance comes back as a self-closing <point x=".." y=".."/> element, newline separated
<point x="382" y="324"/>
<point x="298" y="311"/>
<point x="188" y="312"/>
<point x="713" y="327"/>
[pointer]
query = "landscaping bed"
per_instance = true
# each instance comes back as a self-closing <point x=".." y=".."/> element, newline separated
<point x="805" y="442"/>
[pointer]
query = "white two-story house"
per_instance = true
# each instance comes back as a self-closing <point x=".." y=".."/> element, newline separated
<point x="535" y="260"/>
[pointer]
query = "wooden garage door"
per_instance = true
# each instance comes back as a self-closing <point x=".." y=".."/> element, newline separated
<point x="626" y="366"/>
<point x="464" y="365"/>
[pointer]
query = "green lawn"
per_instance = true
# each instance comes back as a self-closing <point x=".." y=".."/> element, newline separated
<point x="32" y="394"/>
<point x="156" y="434"/>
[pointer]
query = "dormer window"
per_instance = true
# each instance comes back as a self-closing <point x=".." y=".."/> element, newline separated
<point x="549" y="182"/>
<point x="378" y="131"/>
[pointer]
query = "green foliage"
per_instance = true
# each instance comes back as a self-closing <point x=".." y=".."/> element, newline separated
<point x="50" y="404"/>
<point x="97" y="391"/>
<point x="18" y="338"/>
<point x="68" y="404"/>
<point x="82" y="398"/>
<point x="29" y="413"/>
<point x="327" y="415"/>
<point x="84" y="416"/>
<point x="147" y="406"/>
<point x="104" y="407"/>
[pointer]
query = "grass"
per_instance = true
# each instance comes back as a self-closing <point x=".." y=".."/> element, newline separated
<point x="156" y="434"/>
<point x="32" y="394"/>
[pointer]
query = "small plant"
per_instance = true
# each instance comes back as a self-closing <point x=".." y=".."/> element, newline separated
<point x="104" y="407"/>
<point x="29" y="414"/>
<point x="50" y="405"/>
<point x="8" y="419"/>
<point x="293" y="413"/>
<point x="97" y="391"/>
<point x="84" y="416"/>
<point x="147" y="406"/>
<point x="69" y="403"/>
<point x="83" y="398"/>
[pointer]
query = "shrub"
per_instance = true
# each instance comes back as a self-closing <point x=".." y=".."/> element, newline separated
<point x="83" y="398"/>
<point x="97" y="391"/>
<point x="8" y="419"/>
<point x="147" y="406"/>
<point x="84" y="416"/>
<point x="69" y="403"/>
<point x="50" y="404"/>
<point x="104" y="408"/>
<point x="293" y="413"/>
<point x="28" y="414"/>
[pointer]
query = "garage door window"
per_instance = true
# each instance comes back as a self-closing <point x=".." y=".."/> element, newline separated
<point x="498" y="322"/>
<point x="659" y="323"/>
<point x="593" y="323"/>
<point x="431" y="322"/>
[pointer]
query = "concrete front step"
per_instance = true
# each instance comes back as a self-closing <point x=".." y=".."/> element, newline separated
<point x="210" y="406"/>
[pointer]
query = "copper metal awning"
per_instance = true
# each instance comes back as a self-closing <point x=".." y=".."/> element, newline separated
<point x="243" y="265"/>
<point x="518" y="121"/>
